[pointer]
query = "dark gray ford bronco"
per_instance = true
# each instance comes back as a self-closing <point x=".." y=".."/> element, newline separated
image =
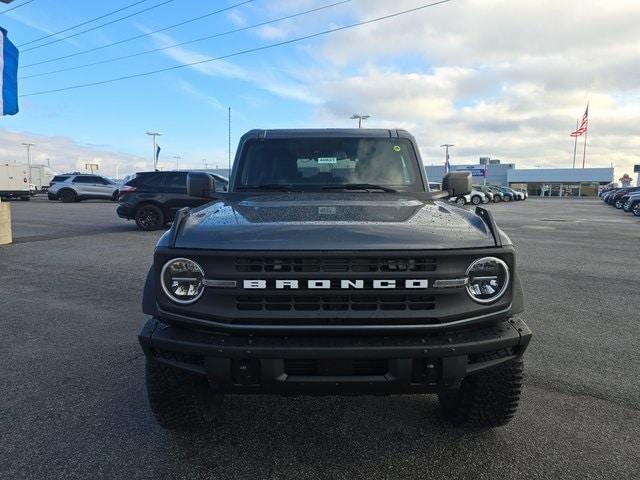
<point x="330" y="268"/>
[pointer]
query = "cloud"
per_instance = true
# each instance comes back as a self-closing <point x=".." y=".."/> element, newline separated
<point x="65" y="154"/>
<point x="273" y="80"/>
<point x="192" y="90"/>
<point x="495" y="77"/>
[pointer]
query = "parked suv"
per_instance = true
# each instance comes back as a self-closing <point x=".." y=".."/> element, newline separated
<point x="489" y="192"/>
<point x="152" y="198"/>
<point x="78" y="187"/>
<point x="329" y="268"/>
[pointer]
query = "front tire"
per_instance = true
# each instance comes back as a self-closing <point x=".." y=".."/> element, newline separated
<point x="461" y="201"/>
<point x="149" y="217"/>
<point x="496" y="199"/>
<point x="636" y="209"/>
<point x="476" y="200"/>
<point x="619" y="204"/>
<point x="485" y="399"/>
<point x="178" y="400"/>
<point x="507" y="198"/>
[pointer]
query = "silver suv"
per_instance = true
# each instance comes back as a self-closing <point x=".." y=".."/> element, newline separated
<point x="83" y="187"/>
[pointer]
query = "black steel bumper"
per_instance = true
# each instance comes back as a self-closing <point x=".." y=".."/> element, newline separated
<point x="335" y="364"/>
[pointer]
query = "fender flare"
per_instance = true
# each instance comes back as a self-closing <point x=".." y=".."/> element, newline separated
<point x="149" y="306"/>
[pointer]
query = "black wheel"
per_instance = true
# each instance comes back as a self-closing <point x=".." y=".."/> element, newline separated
<point x="461" y="201"/>
<point x="636" y="209"/>
<point x="485" y="399"/>
<point x="149" y="217"/>
<point x="507" y="198"/>
<point x="68" y="196"/>
<point x="179" y="401"/>
<point x="496" y="199"/>
<point x="619" y="204"/>
<point x="476" y="200"/>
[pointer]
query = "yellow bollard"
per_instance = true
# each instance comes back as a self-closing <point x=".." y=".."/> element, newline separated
<point x="5" y="223"/>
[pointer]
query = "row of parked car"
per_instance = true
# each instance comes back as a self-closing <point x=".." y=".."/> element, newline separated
<point x="490" y="193"/>
<point x="625" y="198"/>
<point x="149" y="198"/>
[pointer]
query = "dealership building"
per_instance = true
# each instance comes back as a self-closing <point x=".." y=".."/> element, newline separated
<point x="553" y="182"/>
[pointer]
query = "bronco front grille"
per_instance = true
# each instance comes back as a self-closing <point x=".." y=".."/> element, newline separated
<point x="284" y="303"/>
<point x="335" y="264"/>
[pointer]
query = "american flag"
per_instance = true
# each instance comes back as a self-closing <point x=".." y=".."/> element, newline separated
<point x="583" y="125"/>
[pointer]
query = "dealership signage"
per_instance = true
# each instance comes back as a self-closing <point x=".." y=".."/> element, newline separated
<point x="476" y="170"/>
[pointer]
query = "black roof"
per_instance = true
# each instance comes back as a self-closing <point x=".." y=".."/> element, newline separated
<point x="327" y="132"/>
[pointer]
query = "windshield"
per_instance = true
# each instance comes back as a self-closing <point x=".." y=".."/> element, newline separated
<point x="317" y="163"/>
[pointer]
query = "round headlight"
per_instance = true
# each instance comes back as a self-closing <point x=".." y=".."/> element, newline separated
<point x="182" y="280"/>
<point x="488" y="279"/>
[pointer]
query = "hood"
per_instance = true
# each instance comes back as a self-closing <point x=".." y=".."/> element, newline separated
<point x="331" y="221"/>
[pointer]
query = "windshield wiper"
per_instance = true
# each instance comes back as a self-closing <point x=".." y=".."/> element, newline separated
<point x="285" y="187"/>
<point x="358" y="186"/>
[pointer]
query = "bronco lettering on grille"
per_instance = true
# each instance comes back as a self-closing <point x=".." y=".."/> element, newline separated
<point x="336" y="284"/>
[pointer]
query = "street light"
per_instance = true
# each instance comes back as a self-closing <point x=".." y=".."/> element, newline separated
<point x="155" y="155"/>
<point x="177" y="158"/>
<point x="29" y="145"/>
<point x="446" y="150"/>
<point x="360" y="118"/>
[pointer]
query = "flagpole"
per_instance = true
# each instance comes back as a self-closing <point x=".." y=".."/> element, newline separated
<point x="584" y="150"/>
<point x="575" y="145"/>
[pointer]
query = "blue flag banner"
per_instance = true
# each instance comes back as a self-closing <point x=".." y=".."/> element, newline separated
<point x="8" y="76"/>
<point x="158" y="152"/>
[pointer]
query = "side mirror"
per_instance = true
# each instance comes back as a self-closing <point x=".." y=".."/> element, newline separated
<point x="457" y="183"/>
<point x="200" y="184"/>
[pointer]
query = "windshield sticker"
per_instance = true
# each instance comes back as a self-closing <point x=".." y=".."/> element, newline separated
<point x="327" y="160"/>
<point x="396" y="148"/>
<point x="326" y="210"/>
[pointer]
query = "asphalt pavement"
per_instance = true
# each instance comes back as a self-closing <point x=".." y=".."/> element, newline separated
<point x="73" y="402"/>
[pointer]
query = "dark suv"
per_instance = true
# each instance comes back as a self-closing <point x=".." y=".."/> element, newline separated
<point x="152" y="198"/>
<point x="328" y="267"/>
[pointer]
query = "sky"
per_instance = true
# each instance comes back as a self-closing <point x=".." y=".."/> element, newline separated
<point x="500" y="78"/>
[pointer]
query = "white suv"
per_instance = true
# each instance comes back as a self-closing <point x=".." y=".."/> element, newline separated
<point x="83" y="187"/>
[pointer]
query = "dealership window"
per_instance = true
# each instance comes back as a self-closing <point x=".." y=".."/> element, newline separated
<point x="541" y="189"/>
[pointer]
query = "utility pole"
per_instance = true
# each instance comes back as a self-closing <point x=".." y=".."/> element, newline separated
<point x="446" y="151"/>
<point x="29" y="145"/>
<point x="177" y="158"/>
<point x="155" y="149"/>
<point x="360" y="118"/>
<point x="229" y="130"/>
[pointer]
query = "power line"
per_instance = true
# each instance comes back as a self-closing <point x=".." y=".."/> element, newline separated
<point x="83" y="23"/>
<point x="138" y="36"/>
<point x="111" y="22"/>
<point x="241" y="52"/>
<point x="200" y="39"/>
<point x="17" y="6"/>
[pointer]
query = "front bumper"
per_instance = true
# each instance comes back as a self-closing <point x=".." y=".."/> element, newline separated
<point x="344" y="364"/>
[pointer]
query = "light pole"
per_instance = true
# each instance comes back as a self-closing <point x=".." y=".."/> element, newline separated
<point x="205" y="163"/>
<point x="360" y="118"/>
<point x="155" y="155"/>
<point x="446" y="151"/>
<point x="29" y="145"/>
<point x="177" y="159"/>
